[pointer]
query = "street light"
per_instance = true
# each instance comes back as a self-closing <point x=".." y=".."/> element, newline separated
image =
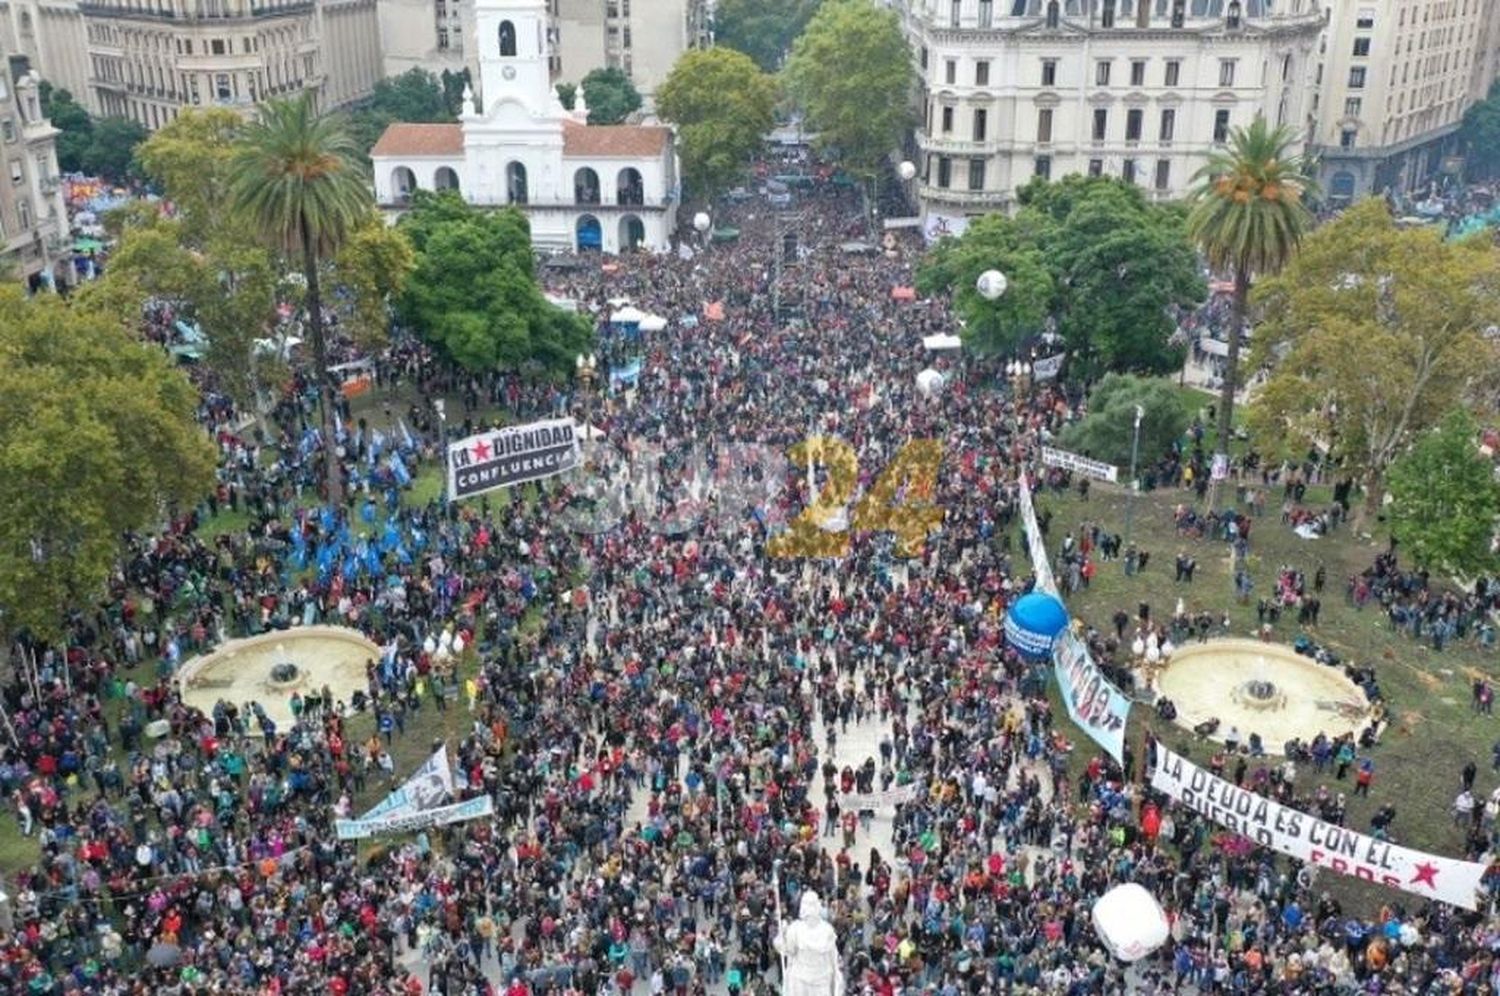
<point x="440" y="406"/>
<point x="1019" y="373"/>
<point x="701" y="224"/>
<point x="1135" y="451"/>
<point x="588" y="369"/>
<point x="991" y="285"/>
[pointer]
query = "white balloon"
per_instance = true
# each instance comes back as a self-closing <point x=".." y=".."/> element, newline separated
<point x="907" y="170"/>
<point x="930" y="382"/>
<point x="1130" y="922"/>
<point x="701" y="221"/>
<point x="991" y="285"/>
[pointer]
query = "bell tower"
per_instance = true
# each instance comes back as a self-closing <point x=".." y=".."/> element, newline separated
<point x="511" y="37"/>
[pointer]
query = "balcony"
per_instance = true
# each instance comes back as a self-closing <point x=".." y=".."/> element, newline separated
<point x="964" y="198"/>
<point x="953" y="146"/>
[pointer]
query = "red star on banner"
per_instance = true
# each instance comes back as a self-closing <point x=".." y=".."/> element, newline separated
<point x="481" y="450"/>
<point x="1426" y="875"/>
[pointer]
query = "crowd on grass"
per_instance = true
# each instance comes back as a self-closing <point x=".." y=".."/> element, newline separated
<point x="642" y="705"/>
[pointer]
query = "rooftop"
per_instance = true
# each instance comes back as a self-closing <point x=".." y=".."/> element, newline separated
<point x="420" y="140"/>
<point x="624" y="141"/>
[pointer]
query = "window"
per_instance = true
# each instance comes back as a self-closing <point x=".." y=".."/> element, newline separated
<point x="945" y="171"/>
<point x="954" y="13"/>
<point x="947" y="121"/>
<point x="1168" y="124"/>
<point x="982" y="72"/>
<point x="1221" y="126"/>
<point x="221" y="86"/>
<point x="1049" y="72"/>
<point x="1361" y="48"/>
<point x="1133" y="119"/>
<point x="1138" y="72"/>
<point x="1101" y="123"/>
<point x="1096" y="167"/>
<point x="1356" y="77"/>
<point x="1054" y="17"/>
<point x="442" y="39"/>
<point x="986" y="13"/>
<point x="1042" y="167"/>
<point x="1101" y="72"/>
<point x="976" y="174"/>
<point x="1174" y="72"/>
<point x="1353" y="106"/>
<point x="1044" y="125"/>
<point x="1366" y="19"/>
<point x="1346" y="138"/>
<point x="981" y="120"/>
<point x="217" y="46"/>
<point x="17" y="174"/>
<point x="922" y="56"/>
<point x="8" y="130"/>
<point x="1226" y="72"/>
<point x="1127" y="171"/>
<point x="1163" y="174"/>
<point x="1107" y="14"/>
<point x="507" y="40"/>
<point x="950" y="72"/>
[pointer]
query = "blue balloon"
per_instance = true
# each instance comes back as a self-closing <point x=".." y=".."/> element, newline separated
<point x="1033" y="623"/>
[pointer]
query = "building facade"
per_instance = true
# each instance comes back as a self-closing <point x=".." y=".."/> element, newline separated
<point x="33" y="217"/>
<point x="1393" y="82"/>
<point x="642" y="37"/>
<point x="581" y="186"/>
<point x="1139" y="89"/>
<point x="425" y="34"/>
<point x="148" y="60"/>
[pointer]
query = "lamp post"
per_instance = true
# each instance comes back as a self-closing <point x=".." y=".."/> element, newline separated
<point x="1135" y="487"/>
<point x="440" y="406"/>
<point x="588" y="370"/>
<point x="907" y="171"/>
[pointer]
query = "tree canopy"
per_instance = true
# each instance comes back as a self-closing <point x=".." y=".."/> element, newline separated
<point x="762" y="29"/>
<point x="99" y="147"/>
<point x="1445" y="500"/>
<point x="1480" y="135"/>
<point x="722" y="105"/>
<point x="474" y="292"/>
<point x="1376" y="333"/>
<point x="610" y="95"/>
<point x="1090" y="251"/>
<point x="1107" y="432"/>
<point x="97" y="438"/>
<point x="188" y="160"/>
<point x="851" y="72"/>
<point x="415" y="96"/>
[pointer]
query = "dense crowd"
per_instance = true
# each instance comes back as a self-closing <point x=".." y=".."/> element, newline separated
<point x="658" y="742"/>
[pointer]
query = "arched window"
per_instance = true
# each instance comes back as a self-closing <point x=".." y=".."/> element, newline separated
<point x="1054" y="13"/>
<point x="1232" y="19"/>
<point x="507" y="39"/>
<point x="515" y="183"/>
<point x="585" y="186"/>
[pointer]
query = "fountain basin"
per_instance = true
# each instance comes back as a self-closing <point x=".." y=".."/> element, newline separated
<point x="1263" y="688"/>
<point x="271" y="667"/>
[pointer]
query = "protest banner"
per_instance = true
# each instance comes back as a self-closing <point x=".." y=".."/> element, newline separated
<point x="429" y="786"/>
<point x="458" y="812"/>
<point x="516" y="454"/>
<point x="1096" y="469"/>
<point x="1290" y="831"/>
<point x="1041" y="566"/>
<point x="1093" y="702"/>
<point x="1047" y="367"/>
<point x="888" y="799"/>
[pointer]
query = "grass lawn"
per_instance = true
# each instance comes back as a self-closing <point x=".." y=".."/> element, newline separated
<point x="1433" y="730"/>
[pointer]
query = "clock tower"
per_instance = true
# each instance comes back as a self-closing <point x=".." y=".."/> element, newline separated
<point x="511" y="38"/>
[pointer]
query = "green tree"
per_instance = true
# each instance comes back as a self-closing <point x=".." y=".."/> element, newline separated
<point x="190" y="161"/>
<point x="1376" y="333"/>
<point x="369" y="275"/>
<point x="1445" y="500"/>
<point x="1480" y="135"/>
<point x="111" y="151"/>
<point x="454" y="83"/>
<point x="1107" y="432"/>
<point x="297" y="179"/>
<point x="1249" y="215"/>
<point x="415" y="96"/>
<point x="72" y="120"/>
<point x="993" y="242"/>
<point x="722" y="105"/>
<point x="474" y="292"/>
<point x="610" y="95"/>
<point x="567" y="95"/>
<point x="97" y="437"/>
<point x="1118" y="264"/>
<point x="851" y="72"/>
<point x="762" y="29"/>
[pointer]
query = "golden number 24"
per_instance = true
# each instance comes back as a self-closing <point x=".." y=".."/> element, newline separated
<point x="900" y="501"/>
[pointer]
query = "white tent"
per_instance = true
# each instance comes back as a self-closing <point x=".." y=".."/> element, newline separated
<point x="941" y="341"/>
<point x="1130" y="922"/>
<point x="653" y="323"/>
<point x="588" y="432"/>
<point x="628" y="315"/>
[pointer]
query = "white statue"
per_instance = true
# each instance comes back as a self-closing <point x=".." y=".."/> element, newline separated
<point x="810" y="953"/>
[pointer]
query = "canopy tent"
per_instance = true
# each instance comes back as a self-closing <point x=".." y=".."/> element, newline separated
<point x="1212" y="346"/>
<point x="903" y="293"/>
<point x="628" y="315"/>
<point x="857" y="248"/>
<point x="941" y="341"/>
<point x="726" y="234"/>
<point x="87" y="245"/>
<point x="653" y="323"/>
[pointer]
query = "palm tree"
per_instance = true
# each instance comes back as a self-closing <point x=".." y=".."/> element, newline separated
<point x="296" y="176"/>
<point x="1248" y="216"/>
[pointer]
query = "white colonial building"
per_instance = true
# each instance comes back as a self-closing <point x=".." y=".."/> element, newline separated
<point x="582" y="186"/>
<point x="1138" y="89"/>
